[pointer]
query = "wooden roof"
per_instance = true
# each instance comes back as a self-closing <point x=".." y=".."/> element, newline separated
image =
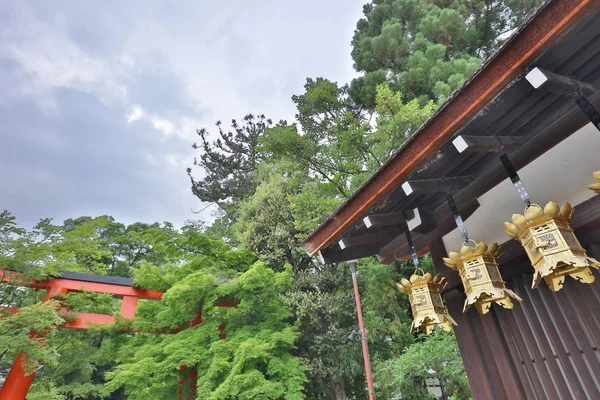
<point x="497" y="102"/>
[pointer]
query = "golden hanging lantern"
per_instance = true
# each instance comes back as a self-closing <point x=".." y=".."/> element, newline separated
<point x="481" y="277"/>
<point x="426" y="302"/>
<point x="551" y="244"/>
<point x="595" y="186"/>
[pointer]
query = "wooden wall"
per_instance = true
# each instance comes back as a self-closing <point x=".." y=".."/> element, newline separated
<point x="546" y="347"/>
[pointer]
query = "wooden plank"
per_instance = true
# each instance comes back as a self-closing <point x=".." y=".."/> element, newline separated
<point x="580" y="327"/>
<point x="487" y="349"/>
<point x="583" y="383"/>
<point x="542" y="354"/>
<point x="470" y="354"/>
<point x="520" y="354"/>
<point x="582" y="299"/>
<point x="503" y="361"/>
<point x="549" y="336"/>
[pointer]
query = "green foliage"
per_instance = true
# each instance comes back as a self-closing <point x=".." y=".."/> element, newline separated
<point x="337" y="146"/>
<point x="265" y="224"/>
<point x="323" y="307"/>
<point x="385" y="310"/>
<point x="310" y="206"/>
<point x="397" y="121"/>
<point x="89" y="302"/>
<point x="437" y="356"/>
<point x="142" y="359"/>
<point x="92" y="245"/>
<point x="307" y="171"/>
<point x="253" y="361"/>
<point x="332" y="143"/>
<point x="426" y="49"/>
<point x="31" y="330"/>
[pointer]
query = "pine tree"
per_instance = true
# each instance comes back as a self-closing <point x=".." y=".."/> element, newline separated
<point x="426" y="49"/>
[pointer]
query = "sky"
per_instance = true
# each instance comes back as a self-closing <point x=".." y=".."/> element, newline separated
<point x="100" y="101"/>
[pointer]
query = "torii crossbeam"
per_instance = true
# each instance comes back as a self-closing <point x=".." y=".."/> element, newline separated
<point x="17" y="382"/>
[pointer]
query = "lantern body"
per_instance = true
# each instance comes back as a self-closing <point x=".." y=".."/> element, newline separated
<point x="553" y="248"/>
<point x="481" y="277"/>
<point x="424" y="294"/>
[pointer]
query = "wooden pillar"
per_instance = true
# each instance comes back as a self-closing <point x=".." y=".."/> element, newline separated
<point x="187" y="381"/>
<point x="17" y="382"/>
<point x="128" y="306"/>
<point x="486" y="357"/>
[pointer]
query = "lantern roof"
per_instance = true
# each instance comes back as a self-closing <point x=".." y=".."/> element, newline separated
<point x="497" y="110"/>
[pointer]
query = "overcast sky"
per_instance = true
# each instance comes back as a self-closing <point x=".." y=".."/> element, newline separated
<point x="100" y="101"/>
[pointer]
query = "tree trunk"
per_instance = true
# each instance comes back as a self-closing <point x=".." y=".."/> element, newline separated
<point x="334" y="389"/>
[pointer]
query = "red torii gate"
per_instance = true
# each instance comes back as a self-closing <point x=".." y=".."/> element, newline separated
<point x="17" y="383"/>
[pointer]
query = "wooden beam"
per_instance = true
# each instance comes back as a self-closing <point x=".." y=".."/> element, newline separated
<point x="423" y="222"/>
<point x="379" y="220"/>
<point x="486" y="144"/>
<point x="551" y="82"/>
<point x="372" y="238"/>
<point x="328" y="256"/>
<point x="398" y="248"/>
<point x="415" y="187"/>
<point x="418" y="220"/>
<point x="72" y="285"/>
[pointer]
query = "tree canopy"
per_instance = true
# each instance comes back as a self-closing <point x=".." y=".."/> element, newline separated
<point x="252" y="358"/>
<point x="426" y="49"/>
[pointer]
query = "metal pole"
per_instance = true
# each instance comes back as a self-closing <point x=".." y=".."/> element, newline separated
<point x="363" y="332"/>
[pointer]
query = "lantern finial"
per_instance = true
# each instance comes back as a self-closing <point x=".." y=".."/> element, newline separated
<point x="595" y="186"/>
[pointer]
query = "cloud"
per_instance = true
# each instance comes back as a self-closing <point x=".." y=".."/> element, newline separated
<point x="163" y="125"/>
<point x="183" y="128"/>
<point x="100" y="102"/>
<point x="50" y="60"/>
<point x="136" y="113"/>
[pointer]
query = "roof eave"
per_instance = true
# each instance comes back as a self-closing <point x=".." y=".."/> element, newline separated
<point x="510" y="61"/>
